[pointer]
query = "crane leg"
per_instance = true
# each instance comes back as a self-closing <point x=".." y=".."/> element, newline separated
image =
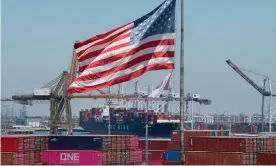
<point x="52" y="117"/>
<point x="68" y="115"/>
<point x="262" y="116"/>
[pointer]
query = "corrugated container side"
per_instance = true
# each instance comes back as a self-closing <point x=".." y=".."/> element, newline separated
<point x="249" y="158"/>
<point x="26" y="158"/>
<point x="175" y="136"/>
<point x="175" y="145"/>
<point x="223" y="144"/>
<point x="12" y="144"/>
<point x="72" y="157"/>
<point x="154" y="155"/>
<point x="154" y="144"/>
<point x="172" y="156"/>
<point x="38" y="157"/>
<point x="213" y="158"/>
<point x="76" y="143"/>
<point x="138" y="156"/>
<point x="266" y="158"/>
<point x="9" y="158"/>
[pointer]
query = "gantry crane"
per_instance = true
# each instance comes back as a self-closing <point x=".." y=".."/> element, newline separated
<point x="263" y="92"/>
<point x="58" y="103"/>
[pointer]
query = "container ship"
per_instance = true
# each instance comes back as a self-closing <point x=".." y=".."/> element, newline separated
<point x="128" y="121"/>
<point x="132" y="121"/>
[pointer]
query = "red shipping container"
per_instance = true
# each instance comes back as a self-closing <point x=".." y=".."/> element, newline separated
<point x="12" y="143"/>
<point x="72" y="157"/>
<point x="213" y="158"/>
<point x="138" y="156"/>
<point x="38" y="157"/>
<point x="223" y="144"/>
<point x="9" y="158"/>
<point x="154" y="155"/>
<point x="155" y="144"/>
<point x="175" y="137"/>
<point x="175" y="145"/>
<point x="266" y="158"/>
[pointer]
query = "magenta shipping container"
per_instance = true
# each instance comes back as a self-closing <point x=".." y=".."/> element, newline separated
<point x="72" y="157"/>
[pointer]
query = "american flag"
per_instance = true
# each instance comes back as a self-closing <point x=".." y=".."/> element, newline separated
<point x="127" y="52"/>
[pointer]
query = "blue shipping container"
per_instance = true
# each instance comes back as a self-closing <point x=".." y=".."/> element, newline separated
<point x="214" y="133"/>
<point x="76" y="143"/>
<point x="228" y="133"/>
<point x="172" y="155"/>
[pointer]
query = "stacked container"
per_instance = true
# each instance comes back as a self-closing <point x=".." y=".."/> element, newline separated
<point x="213" y="158"/>
<point x="266" y="158"/>
<point x="22" y="150"/>
<point x="174" y="144"/>
<point x="249" y="147"/>
<point x="109" y="149"/>
<point x="156" y="150"/>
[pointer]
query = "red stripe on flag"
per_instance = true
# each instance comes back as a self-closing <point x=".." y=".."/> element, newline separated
<point x="109" y="40"/>
<point x="122" y="79"/>
<point x="79" y="44"/>
<point x="125" y="65"/>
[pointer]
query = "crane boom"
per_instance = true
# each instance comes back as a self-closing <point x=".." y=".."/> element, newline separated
<point x="250" y="81"/>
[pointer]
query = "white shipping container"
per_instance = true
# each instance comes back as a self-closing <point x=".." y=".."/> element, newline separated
<point x="42" y="92"/>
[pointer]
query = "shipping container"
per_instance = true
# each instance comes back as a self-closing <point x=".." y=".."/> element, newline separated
<point x="79" y="142"/>
<point x="26" y="149"/>
<point x="155" y="144"/>
<point x="213" y="158"/>
<point x="175" y="137"/>
<point x="93" y="142"/>
<point x="154" y="155"/>
<point x="121" y="157"/>
<point x="172" y="156"/>
<point x="232" y="144"/>
<point x="9" y="158"/>
<point x="249" y="158"/>
<point x="72" y="157"/>
<point x="266" y="158"/>
<point x="12" y="143"/>
<point x="16" y="143"/>
<point x="38" y="157"/>
<point x="175" y="145"/>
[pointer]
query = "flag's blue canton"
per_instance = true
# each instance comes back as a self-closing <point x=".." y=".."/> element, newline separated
<point x="159" y="21"/>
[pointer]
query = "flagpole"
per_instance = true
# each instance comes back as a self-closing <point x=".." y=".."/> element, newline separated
<point x="182" y="84"/>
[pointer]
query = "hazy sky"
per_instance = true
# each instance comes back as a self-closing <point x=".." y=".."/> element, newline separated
<point x="38" y="37"/>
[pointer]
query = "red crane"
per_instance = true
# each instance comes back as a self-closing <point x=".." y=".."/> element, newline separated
<point x="256" y="86"/>
<point x="250" y="81"/>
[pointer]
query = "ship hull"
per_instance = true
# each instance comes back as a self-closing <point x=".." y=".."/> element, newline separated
<point x="135" y="128"/>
